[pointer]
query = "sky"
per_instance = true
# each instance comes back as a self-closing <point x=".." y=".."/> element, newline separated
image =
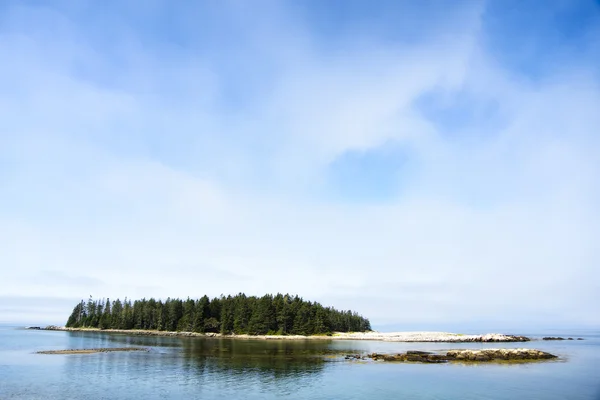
<point x="431" y="164"/>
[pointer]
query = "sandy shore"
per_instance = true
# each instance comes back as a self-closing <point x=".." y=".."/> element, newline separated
<point x="379" y="336"/>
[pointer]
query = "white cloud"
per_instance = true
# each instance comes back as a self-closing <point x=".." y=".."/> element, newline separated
<point x="118" y="191"/>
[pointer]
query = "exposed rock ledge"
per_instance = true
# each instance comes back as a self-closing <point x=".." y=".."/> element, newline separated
<point x="483" y="355"/>
<point x="431" y="337"/>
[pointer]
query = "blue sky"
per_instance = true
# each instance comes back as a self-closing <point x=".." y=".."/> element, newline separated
<point x="426" y="163"/>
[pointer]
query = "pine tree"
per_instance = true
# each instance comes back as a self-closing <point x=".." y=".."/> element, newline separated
<point x="106" y="318"/>
<point x="75" y="318"/>
<point x="280" y="314"/>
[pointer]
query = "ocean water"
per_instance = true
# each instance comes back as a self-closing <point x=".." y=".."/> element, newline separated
<point x="198" y="368"/>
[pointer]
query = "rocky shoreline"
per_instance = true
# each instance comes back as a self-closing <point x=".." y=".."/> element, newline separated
<point x="482" y="355"/>
<point x="440" y="337"/>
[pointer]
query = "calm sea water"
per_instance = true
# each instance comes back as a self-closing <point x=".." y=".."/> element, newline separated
<point x="196" y="368"/>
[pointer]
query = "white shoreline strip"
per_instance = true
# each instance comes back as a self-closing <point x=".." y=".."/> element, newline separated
<point x="377" y="336"/>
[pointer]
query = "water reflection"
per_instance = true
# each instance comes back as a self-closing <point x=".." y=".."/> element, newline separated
<point x="203" y="364"/>
<point x="254" y="369"/>
<point x="272" y="359"/>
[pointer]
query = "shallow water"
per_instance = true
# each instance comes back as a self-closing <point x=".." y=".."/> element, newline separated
<point x="199" y="368"/>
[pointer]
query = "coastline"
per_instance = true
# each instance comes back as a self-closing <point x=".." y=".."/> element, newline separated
<point x="443" y="337"/>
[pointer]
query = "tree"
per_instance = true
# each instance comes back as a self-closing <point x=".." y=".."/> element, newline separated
<point x="241" y="314"/>
<point x="106" y="318"/>
<point x="263" y="317"/>
<point x="280" y="314"/>
<point x="76" y="316"/>
<point x="227" y="315"/>
<point x="186" y="322"/>
<point x="302" y="323"/>
<point x="117" y="310"/>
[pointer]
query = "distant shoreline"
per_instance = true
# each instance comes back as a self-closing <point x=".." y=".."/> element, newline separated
<point x="444" y="337"/>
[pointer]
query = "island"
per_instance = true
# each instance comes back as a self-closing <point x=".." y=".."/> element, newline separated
<point x="245" y="317"/>
<point x="269" y="317"/>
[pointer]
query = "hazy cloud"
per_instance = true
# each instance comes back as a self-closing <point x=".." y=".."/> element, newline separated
<point x="417" y="172"/>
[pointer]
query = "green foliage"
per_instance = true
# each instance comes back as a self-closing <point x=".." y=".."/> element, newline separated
<point x="240" y="314"/>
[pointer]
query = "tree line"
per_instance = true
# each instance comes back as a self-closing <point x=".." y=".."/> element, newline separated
<point x="239" y="314"/>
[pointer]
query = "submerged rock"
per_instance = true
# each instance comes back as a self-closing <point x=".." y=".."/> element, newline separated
<point x="553" y="338"/>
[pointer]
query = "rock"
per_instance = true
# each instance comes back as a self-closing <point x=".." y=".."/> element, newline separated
<point x="570" y="338"/>
<point x="53" y="328"/>
<point x="397" y="357"/>
<point x="579" y="338"/>
<point x="431" y="337"/>
<point x="438" y="358"/>
<point x="33" y="327"/>
<point x="419" y="356"/>
<point x="416" y="358"/>
<point x="498" y="354"/>
<point x="553" y="338"/>
<point x="482" y="355"/>
<point x="521" y="338"/>
<point x="376" y="356"/>
<point x="489" y="338"/>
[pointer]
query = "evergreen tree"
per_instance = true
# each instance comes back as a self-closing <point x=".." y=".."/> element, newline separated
<point x="227" y="315"/>
<point x="116" y="312"/>
<point x="280" y="314"/>
<point x="76" y="316"/>
<point x="106" y="318"/>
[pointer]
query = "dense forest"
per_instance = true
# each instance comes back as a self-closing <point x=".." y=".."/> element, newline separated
<point x="240" y="314"/>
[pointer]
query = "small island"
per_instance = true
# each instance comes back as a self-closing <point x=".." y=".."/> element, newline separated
<point x="269" y="317"/>
<point x="245" y="317"/>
